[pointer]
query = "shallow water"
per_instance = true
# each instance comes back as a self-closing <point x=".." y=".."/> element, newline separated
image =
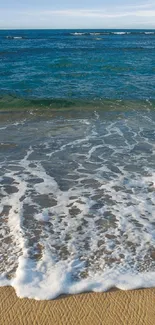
<point x="77" y="202"/>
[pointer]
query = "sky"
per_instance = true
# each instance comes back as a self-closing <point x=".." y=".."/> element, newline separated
<point x="19" y="14"/>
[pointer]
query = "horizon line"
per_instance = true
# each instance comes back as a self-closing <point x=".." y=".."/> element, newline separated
<point x="77" y="28"/>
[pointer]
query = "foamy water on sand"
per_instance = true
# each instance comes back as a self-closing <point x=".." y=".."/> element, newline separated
<point x="78" y="202"/>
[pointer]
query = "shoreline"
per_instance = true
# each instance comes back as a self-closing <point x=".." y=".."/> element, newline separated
<point x="115" y="307"/>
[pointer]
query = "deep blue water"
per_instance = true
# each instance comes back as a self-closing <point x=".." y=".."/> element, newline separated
<point x="78" y="64"/>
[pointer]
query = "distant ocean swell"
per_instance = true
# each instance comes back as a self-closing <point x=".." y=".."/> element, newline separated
<point x="113" y="33"/>
<point x="18" y="37"/>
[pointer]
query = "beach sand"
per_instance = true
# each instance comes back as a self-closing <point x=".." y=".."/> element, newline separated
<point x="136" y="307"/>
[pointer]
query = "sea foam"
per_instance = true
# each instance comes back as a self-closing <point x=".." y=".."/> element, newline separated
<point x="77" y="204"/>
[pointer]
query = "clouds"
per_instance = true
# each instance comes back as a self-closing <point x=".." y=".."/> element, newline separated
<point x="104" y="15"/>
<point x="98" y="13"/>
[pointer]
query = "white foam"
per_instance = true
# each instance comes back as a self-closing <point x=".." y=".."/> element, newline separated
<point x="95" y="34"/>
<point x="3" y="128"/>
<point x="48" y="280"/>
<point x="121" y="33"/>
<point x="78" y="34"/>
<point x="14" y="37"/>
<point x="81" y="214"/>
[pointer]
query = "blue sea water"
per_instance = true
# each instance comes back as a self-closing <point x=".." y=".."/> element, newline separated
<point x="84" y="64"/>
<point x="77" y="160"/>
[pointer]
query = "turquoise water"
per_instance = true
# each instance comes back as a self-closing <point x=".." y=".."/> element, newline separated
<point x="85" y="64"/>
<point x="77" y="161"/>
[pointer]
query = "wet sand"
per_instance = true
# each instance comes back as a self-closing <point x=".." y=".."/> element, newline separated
<point x="136" y="307"/>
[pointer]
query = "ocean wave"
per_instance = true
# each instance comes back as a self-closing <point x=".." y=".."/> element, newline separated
<point x="79" y="34"/>
<point x="113" y="33"/>
<point x="17" y="103"/>
<point x="85" y="33"/>
<point x="121" y="33"/>
<point x="149" y="33"/>
<point x="88" y="226"/>
<point x="15" y="37"/>
<point x="95" y="34"/>
<point x="133" y="33"/>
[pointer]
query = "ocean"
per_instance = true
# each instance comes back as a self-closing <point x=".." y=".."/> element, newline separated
<point x="77" y="161"/>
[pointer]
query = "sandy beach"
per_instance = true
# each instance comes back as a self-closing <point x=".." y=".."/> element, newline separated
<point x="136" y="307"/>
<point x="77" y="163"/>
